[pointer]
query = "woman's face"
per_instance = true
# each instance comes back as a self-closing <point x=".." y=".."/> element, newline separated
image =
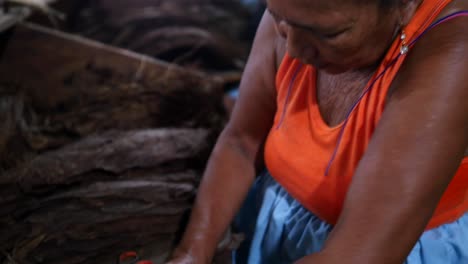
<point x="335" y="35"/>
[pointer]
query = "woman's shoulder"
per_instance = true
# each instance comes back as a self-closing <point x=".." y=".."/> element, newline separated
<point x="453" y="18"/>
<point x="453" y="7"/>
<point x="444" y="42"/>
<point x="267" y="39"/>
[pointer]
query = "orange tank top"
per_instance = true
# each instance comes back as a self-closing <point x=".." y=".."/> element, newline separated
<point x="300" y="144"/>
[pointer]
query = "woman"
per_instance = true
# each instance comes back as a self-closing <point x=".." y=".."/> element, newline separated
<point x="360" y="108"/>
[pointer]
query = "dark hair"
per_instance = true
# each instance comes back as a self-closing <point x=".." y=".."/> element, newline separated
<point x="383" y="4"/>
<point x="387" y="3"/>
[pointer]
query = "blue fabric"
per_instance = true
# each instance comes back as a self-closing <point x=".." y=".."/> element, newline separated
<point x="251" y="5"/>
<point x="279" y="230"/>
<point x="234" y="93"/>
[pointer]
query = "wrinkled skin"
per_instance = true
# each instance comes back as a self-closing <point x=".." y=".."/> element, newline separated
<point x="337" y="35"/>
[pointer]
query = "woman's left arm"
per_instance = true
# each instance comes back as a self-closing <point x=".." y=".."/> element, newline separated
<point x="412" y="157"/>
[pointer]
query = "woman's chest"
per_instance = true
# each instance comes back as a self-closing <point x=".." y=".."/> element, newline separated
<point x="337" y="94"/>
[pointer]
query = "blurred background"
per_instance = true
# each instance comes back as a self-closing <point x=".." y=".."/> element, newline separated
<point x="108" y="112"/>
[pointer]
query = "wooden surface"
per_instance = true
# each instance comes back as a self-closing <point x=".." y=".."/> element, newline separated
<point x="204" y="34"/>
<point x="74" y="87"/>
<point x="7" y="20"/>
<point x="101" y="149"/>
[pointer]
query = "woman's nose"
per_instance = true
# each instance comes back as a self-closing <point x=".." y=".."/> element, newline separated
<point x="296" y="45"/>
<point x="283" y="29"/>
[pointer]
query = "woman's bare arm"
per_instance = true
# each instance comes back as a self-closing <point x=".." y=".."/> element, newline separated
<point x="412" y="157"/>
<point x="231" y="168"/>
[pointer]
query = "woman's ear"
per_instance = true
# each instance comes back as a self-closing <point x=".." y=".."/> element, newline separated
<point x="407" y="9"/>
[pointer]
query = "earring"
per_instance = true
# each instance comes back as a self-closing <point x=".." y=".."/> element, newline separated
<point x="404" y="46"/>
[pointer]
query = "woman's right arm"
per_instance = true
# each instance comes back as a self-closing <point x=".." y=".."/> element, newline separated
<point x="231" y="167"/>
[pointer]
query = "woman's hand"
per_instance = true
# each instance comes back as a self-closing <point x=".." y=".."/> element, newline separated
<point x="317" y="258"/>
<point x="183" y="259"/>
<point x="308" y="260"/>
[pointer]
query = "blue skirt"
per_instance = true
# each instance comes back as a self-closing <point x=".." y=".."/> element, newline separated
<point x="279" y="230"/>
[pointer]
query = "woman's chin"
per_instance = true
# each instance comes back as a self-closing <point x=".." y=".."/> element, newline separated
<point x="333" y="69"/>
<point x="328" y="67"/>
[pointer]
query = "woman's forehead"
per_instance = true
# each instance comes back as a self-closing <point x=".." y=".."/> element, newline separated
<point x="315" y="11"/>
<point x="322" y="5"/>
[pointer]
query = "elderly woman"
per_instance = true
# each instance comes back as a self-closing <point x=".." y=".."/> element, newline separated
<point x="359" y="111"/>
